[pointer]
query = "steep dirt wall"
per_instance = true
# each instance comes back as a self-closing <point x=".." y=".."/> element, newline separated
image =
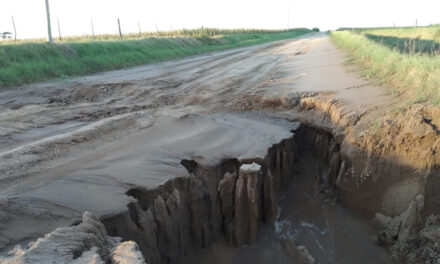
<point x="389" y="170"/>
<point x="387" y="159"/>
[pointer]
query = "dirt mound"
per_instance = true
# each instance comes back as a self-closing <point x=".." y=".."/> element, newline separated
<point x="94" y="93"/>
<point x="86" y="242"/>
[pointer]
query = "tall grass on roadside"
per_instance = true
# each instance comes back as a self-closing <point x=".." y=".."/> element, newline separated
<point x="29" y="62"/>
<point x="423" y="33"/>
<point x="416" y="76"/>
<point x="408" y="45"/>
<point x="409" y="40"/>
<point x="405" y="39"/>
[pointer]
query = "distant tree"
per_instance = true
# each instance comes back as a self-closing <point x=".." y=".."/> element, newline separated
<point x="316" y="29"/>
<point x="5" y="35"/>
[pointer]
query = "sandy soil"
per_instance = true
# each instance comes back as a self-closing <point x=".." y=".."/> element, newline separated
<point x="80" y="144"/>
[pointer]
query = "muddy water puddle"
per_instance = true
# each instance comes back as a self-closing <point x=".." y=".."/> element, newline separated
<point x="330" y="233"/>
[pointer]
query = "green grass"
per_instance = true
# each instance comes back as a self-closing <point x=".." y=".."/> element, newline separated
<point x="414" y="75"/>
<point x="423" y="33"/>
<point x="409" y="40"/>
<point x="30" y="62"/>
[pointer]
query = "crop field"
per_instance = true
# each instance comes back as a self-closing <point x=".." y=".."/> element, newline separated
<point x="405" y="59"/>
<point x="27" y="62"/>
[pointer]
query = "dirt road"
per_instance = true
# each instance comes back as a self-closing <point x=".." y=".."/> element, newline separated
<point x="74" y="111"/>
<point x="80" y="144"/>
<point x="237" y="79"/>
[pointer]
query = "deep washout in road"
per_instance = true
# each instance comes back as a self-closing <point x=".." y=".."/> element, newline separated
<point x="236" y="198"/>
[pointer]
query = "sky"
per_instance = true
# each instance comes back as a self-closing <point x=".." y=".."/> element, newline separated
<point x="75" y="15"/>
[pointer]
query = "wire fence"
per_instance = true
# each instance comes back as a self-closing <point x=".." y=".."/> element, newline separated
<point x="90" y="35"/>
<point x="11" y="37"/>
<point x="197" y="32"/>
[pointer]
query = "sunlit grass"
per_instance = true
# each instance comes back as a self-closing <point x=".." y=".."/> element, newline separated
<point x="424" y="33"/>
<point x="415" y="76"/>
<point x="30" y="62"/>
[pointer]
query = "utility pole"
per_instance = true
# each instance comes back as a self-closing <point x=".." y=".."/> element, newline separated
<point x="15" y="30"/>
<point x="93" y="29"/>
<point x="416" y="22"/>
<point x="59" y="29"/>
<point x="49" y="29"/>
<point x="119" y="26"/>
<point x="140" y="31"/>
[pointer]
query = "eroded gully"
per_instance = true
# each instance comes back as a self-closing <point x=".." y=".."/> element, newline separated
<point x="279" y="209"/>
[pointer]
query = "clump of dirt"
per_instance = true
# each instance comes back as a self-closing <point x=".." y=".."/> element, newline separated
<point x="86" y="242"/>
<point x="423" y="247"/>
<point x="408" y="238"/>
<point x="93" y="93"/>
<point x="249" y="102"/>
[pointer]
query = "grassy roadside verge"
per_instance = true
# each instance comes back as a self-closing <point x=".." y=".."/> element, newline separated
<point x="413" y="75"/>
<point x="30" y="62"/>
<point x="421" y="33"/>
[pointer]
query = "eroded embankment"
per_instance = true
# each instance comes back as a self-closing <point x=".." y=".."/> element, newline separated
<point x="389" y="171"/>
<point x="230" y="199"/>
